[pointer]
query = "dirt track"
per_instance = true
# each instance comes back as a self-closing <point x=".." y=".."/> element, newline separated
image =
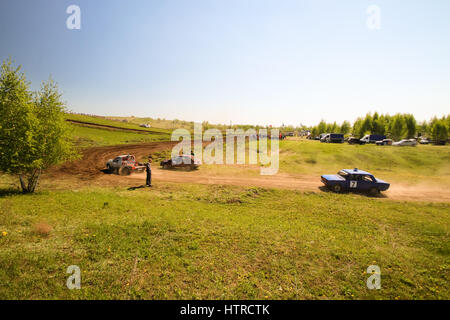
<point x="285" y="181"/>
<point x="93" y="162"/>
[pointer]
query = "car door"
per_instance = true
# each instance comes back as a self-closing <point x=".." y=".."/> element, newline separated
<point x="352" y="182"/>
<point x="366" y="182"/>
<point x="117" y="162"/>
<point x="177" y="161"/>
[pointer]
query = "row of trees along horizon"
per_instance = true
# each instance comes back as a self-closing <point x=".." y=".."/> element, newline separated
<point x="397" y="127"/>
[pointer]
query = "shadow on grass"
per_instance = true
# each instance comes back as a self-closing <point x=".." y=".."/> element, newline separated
<point x="135" y="188"/>
<point x="361" y="193"/>
<point x="180" y="168"/>
<point x="6" y="192"/>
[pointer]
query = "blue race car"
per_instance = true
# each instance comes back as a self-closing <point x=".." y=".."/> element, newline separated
<point x="357" y="180"/>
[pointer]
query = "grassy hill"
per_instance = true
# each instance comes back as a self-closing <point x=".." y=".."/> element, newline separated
<point x="156" y="123"/>
<point x="89" y="137"/>
<point x="409" y="164"/>
<point x="99" y="120"/>
<point x="88" y="131"/>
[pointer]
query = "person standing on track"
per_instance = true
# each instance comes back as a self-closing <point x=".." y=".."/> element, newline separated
<point x="148" y="169"/>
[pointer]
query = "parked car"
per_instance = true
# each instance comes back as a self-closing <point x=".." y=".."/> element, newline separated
<point x="323" y="137"/>
<point x="373" y="138"/>
<point x="334" y="138"/>
<point x="353" y="140"/>
<point x="440" y="142"/>
<point x="424" y="141"/>
<point x="145" y="125"/>
<point x="184" y="161"/>
<point x="354" y="180"/>
<point x="384" y="142"/>
<point x="405" y="143"/>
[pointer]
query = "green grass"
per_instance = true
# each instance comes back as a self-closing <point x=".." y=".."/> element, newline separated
<point x="91" y="137"/>
<point x="115" y="123"/>
<point x="157" y="123"/>
<point x="215" y="242"/>
<point x="400" y="164"/>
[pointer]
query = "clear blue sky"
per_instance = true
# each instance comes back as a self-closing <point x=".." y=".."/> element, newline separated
<point x="258" y="61"/>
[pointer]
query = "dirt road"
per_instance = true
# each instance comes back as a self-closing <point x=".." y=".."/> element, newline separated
<point x="286" y="181"/>
<point x="93" y="160"/>
<point x="90" y="168"/>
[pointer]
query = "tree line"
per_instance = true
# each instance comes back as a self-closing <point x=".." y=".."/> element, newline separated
<point x="397" y="127"/>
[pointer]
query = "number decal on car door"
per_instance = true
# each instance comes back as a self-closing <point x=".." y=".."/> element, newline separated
<point x="353" y="184"/>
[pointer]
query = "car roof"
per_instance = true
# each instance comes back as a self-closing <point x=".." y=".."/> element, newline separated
<point x="355" y="171"/>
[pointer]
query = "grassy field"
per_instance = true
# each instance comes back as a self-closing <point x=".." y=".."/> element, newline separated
<point x="218" y="242"/>
<point x="182" y="241"/>
<point x="400" y="164"/>
<point x="90" y="137"/>
<point x="115" y="123"/>
<point x="424" y="164"/>
<point x="157" y="123"/>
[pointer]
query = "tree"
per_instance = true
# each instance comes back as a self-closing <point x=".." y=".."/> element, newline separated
<point x="398" y="127"/>
<point x="345" y="127"/>
<point x="357" y="125"/>
<point x="439" y="131"/>
<point x="411" y="126"/>
<point x="378" y="124"/>
<point x="322" y="127"/>
<point x="366" y="126"/>
<point x="422" y="129"/>
<point x="33" y="133"/>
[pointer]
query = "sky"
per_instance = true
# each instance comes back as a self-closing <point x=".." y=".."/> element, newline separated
<point x="266" y="62"/>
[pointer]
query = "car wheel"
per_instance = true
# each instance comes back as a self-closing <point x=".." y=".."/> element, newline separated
<point x="374" y="191"/>
<point x="337" y="188"/>
<point x="109" y="169"/>
<point x="124" y="171"/>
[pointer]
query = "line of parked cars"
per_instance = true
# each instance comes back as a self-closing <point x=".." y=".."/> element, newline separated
<point x="379" y="140"/>
<point x="332" y="137"/>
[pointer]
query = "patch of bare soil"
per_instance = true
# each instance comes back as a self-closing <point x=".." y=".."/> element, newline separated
<point x="94" y="159"/>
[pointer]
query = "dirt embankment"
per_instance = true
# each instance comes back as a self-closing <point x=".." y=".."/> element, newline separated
<point x="91" y="165"/>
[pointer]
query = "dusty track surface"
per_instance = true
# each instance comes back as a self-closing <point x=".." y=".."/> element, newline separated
<point x="93" y="160"/>
<point x="299" y="182"/>
<point x="90" y="168"/>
